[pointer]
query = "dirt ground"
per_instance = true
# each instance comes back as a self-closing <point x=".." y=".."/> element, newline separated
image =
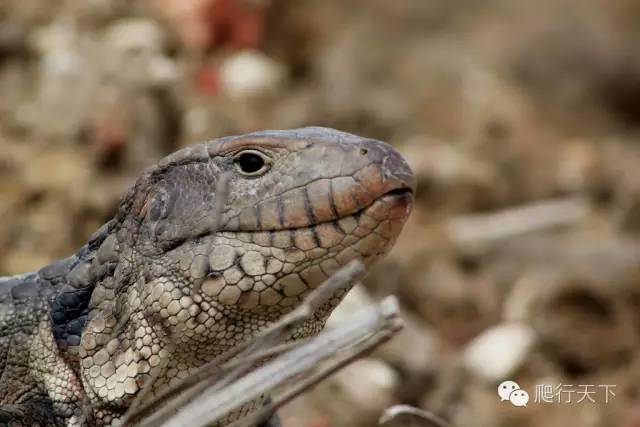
<point x="520" y="118"/>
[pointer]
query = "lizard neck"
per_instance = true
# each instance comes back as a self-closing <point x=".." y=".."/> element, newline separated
<point x="74" y="280"/>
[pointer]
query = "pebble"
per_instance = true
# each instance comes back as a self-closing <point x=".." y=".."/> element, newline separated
<point x="249" y="74"/>
<point x="135" y="34"/>
<point x="499" y="351"/>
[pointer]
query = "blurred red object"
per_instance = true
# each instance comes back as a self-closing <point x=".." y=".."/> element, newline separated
<point x="237" y="23"/>
<point x="208" y="81"/>
<point x="109" y="138"/>
<point x="322" y="422"/>
<point x="632" y="418"/>
<point x="205" y="24"/>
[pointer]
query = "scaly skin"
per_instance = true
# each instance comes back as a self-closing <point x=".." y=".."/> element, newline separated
<point x="156" y="289"/>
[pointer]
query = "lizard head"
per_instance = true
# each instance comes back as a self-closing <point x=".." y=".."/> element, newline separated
<point x="193" y="273"/>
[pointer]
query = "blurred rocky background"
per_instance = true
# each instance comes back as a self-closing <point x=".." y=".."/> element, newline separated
<point x="520" y="118"/>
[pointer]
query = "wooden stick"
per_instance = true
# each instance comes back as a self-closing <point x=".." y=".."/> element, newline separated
<point x="305" y="384"/>
<point x="485" y="228"/>
<point x="427" y="419"/>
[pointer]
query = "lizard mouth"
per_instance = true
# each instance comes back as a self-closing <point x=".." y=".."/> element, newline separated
<point x="394" y="204"/>
<point x="301" y="210"/>
<point x="397" y="203"/>
<point x="399" y="192"/>
<point x="396" y="198"/>
<point x="392" y="207"/>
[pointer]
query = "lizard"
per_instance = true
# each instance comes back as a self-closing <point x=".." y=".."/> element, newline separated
<point x="180" y="275"/>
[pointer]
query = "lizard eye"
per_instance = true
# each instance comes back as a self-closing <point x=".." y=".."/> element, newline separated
<point x="251" y="162"/>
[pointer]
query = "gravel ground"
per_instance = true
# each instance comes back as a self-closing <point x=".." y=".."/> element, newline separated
<point x="521" y="120"/>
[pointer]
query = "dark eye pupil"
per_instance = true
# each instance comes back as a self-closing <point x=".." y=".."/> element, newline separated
<point x="250" y="162"/>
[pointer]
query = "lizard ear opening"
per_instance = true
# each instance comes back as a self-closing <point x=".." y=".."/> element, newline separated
<point x="161" y="225"/>
<point x="175" y="205"/>
<point x="156" y="212"/>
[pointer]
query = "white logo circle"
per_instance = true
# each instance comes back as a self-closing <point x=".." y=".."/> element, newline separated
<point x="519" y="398"/>
<point x="506" y="388"/>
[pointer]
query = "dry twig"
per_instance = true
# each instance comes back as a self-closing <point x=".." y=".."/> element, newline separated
<point x="485" y="228"/>
<point x="426" y="419"/>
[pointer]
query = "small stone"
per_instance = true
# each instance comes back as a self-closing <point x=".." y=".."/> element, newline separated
<point x="377" y="382"/>
<point x="499" y="351"/>
<point x="248" y="74"/>
<point x="130" y="34"/>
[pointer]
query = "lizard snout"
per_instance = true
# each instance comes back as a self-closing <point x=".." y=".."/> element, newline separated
<point x="396" y="175"/>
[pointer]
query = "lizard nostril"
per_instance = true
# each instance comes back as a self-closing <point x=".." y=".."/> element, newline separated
<point x="364" y="151"/>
